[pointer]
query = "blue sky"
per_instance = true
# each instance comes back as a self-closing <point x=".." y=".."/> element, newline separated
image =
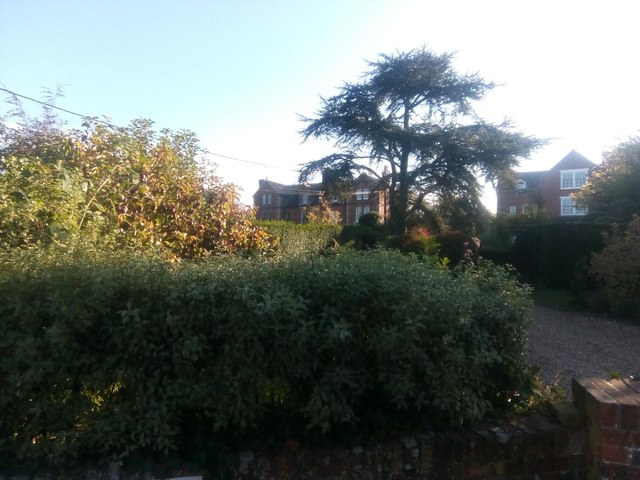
<point x="238" y="73"/>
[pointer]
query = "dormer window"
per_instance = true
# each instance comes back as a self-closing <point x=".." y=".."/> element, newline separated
<point x="521" y="185"/>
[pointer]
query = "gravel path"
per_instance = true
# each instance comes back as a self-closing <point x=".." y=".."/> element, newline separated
<point x="570" y="344"/>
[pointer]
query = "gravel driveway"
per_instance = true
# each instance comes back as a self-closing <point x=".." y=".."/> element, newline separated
<point x="570" y="344"/>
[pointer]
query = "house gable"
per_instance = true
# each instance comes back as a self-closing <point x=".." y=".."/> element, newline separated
<point x="561" y="181"/>
<point x="549" y="190"/>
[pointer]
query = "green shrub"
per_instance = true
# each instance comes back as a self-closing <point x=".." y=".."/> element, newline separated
<point x="294" y="239"/>
<point x="127" y="358"/>
<point x="457" y="247"/>
<point x="363" y="237"/>
<point x="371" y="219"/>
<point x="617" y="270"/>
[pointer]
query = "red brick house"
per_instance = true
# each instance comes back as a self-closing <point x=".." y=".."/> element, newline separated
<point x="548" y="191"/>
<point x="276" y="201"/>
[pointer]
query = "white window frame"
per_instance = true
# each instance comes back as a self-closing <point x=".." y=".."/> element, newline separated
<point x="521" y="184"/>
<point x="568" y="208"/>
<point x="513" y="209"/>
<point x="525" y="209"/>
<point x="266" y="199"/>
<point x="305" y="199"/>
<point x="571" y="179"/>
<point x="362" y="194"/>
<point x="361" y="211"/>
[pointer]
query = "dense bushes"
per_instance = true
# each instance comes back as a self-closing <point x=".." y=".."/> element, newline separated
<point x="293" y="239"/>
<point x="126" y="357"/>
<point x="457" y="247"/>
<point x="129" y="187"/>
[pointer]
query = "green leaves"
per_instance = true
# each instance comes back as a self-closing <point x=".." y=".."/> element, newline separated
<point x="617" y="270"/>
<point x="611" y="192"/>
<point x="125" y="357"/>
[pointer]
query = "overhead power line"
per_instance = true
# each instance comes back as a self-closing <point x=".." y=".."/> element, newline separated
<point x="57" y="108"/>
<point x="243" y="161"/>
<point x="115" y="126"/>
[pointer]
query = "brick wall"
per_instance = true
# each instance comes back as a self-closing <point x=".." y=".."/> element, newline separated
<point x="518" y="198"/>
<point x="612" y="409"/>
<point x="531" y="448"/>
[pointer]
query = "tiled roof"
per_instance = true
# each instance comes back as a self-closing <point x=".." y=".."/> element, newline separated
<point x="574" y="156"/>
<point x="313" y="188"/>
<point x="532" y="179"/>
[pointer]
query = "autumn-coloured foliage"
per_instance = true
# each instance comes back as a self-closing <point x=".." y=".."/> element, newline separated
<point x="322" y="214"/>
<point x="124" y="186"/>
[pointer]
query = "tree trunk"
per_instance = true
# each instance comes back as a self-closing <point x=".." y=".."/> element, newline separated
<point x="399" y="213"/>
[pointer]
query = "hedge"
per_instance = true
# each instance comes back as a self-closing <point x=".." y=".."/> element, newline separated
<point x="126" y="358"/>
<point x="293" y="239"/>
<point x="547" y="255"/>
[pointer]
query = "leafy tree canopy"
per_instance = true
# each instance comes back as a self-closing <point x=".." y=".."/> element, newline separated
<point x="412" y="113"/>
<point x="463" y="214"/>
<point x="611" y="193"/>
<point x="119" y="186"/>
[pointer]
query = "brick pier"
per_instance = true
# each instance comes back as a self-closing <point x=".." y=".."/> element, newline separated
<point x="612" y="411"/>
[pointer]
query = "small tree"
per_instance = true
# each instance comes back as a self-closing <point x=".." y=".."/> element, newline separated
<point x="611" y="193"/>
<point x="412" y="113"/>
